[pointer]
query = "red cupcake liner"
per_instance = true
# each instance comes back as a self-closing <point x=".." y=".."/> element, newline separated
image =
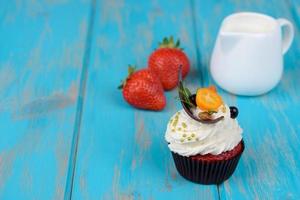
<point x="206" y="172"/>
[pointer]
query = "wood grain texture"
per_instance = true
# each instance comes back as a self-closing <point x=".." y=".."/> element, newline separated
<point x="270" y="166"/>
<point x="122" y="152"/>
<point x="42" y="45"/>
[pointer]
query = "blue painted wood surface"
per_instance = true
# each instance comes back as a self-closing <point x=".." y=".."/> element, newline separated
<point x="122" y="152"/>
<point x="66" y="131"/>
<point x="270" y="166"/>
<point x="41" y="52"/>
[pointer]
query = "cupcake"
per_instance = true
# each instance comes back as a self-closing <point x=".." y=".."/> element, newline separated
<point x="204" y="137"/>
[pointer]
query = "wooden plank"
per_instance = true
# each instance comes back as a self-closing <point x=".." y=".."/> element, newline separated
<point x="42" y="46"/>
<point x="294" y="7"/>
<point x="270" y="166"/>
<point x="122" y="153"/>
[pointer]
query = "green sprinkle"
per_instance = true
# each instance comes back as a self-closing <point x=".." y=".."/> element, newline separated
<point x="183" y="125"/>
<point x="175" y="122"/>
<point x="193" y="135"/>
<point x="184" y="135"/>
<point x="189" y="138"/>
<point x="224" y="109"/>
<point x="179" y="129"/>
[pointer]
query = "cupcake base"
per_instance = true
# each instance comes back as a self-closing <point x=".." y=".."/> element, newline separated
<point x="209" y="169"/>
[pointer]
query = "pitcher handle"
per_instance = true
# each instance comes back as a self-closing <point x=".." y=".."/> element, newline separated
<point x="289" y="34"/>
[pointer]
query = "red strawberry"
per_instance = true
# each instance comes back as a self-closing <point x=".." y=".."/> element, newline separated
<point x="165" y="62"/>
<point x="142" y="89"/>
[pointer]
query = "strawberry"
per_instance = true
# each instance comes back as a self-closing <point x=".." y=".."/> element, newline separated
<point x="142" y="89"/>
<point x="165" y="62"/>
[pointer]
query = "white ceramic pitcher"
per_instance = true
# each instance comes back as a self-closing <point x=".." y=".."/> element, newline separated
<point x="248" y="54"/>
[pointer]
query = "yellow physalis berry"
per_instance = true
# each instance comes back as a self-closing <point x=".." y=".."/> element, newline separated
<point x="207" y="99"/>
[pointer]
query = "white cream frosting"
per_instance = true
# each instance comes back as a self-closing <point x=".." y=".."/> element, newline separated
<point x="188" y="137"/>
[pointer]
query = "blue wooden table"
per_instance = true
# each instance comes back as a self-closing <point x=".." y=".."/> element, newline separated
<point x="67" y="133"/>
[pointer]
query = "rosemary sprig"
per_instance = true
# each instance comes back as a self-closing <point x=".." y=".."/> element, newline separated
<point x="184" y="95"/>
<point x="184" y="92"/>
